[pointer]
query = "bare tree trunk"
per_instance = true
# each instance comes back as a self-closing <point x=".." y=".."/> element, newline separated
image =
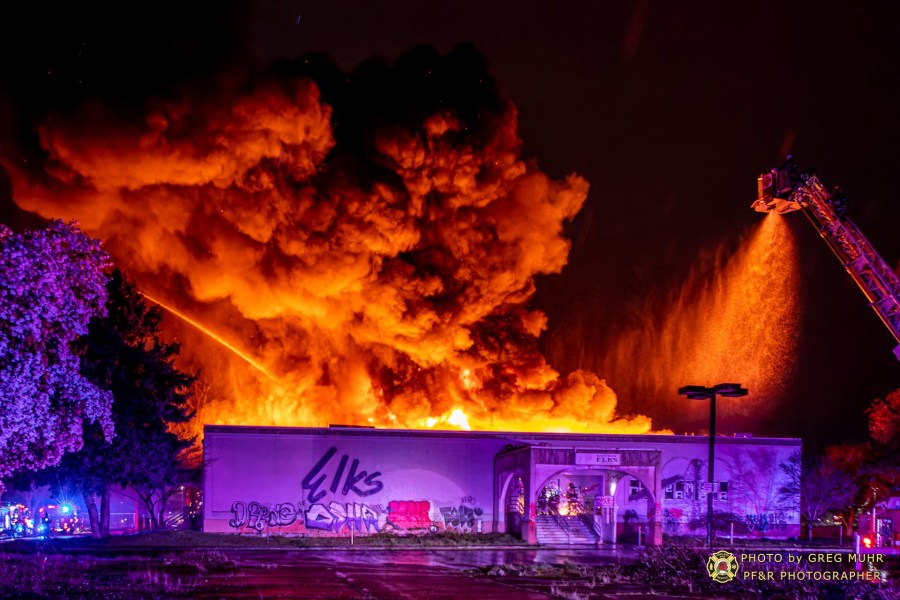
<point x="164" y="496"/>
<point x="158" y="511"/>
<point x="848" y="517"/>
<point x="149" y="505"/>
<point x="848" y="527"/>
<point x="90" y="501"/>
<point x="104" y="512"/>
<point x="163" y="501"/>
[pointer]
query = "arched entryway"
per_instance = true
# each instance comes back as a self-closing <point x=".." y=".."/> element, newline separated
<point x="514" y="506"/>
<point x="591" y="504"/>
<point x="584" y="488"/>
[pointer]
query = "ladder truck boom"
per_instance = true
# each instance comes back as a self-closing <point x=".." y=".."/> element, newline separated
<point x="785" y="189"/>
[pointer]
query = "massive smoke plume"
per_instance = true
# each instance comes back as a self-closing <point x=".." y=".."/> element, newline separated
<point x="366" y="243"/>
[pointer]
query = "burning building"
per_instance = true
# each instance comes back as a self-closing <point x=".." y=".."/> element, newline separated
<point x="545" y="488"/>
<point x="363" y="248"/>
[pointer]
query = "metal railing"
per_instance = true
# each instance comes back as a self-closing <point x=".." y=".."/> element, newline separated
<point x="592" y="525"/>
<point x="562" y="524"/>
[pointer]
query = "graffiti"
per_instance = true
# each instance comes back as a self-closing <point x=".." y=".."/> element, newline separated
<point x="463" y="518"/>
<point x="241" y="516"/>
<point x="766" y="521"/>
<point x="468" y="500"/>
<point x="409" y="514"/>
<point x="336" y="516"/>
<point x="314" y="480"/>
<point x="673" y="518"/>
<point x="674" y="513"/>
<point x="758" y="522"/>
<point x="778" y="520"/>
<point x="257" y="516"/>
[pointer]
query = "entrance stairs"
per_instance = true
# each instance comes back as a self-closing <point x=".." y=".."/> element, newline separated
<point x="553" y="530"/>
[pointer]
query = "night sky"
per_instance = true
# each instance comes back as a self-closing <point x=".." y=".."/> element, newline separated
<point x="670" y="111"/>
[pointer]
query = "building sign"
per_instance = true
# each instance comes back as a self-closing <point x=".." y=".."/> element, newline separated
<point x="709" y="487"/>
<point x="607" y="501"/>
<point x="598" y="458"/>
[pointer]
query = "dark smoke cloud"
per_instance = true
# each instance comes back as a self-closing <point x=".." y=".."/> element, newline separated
<point x="370" y="238"/>
<point x="56" y="55"/>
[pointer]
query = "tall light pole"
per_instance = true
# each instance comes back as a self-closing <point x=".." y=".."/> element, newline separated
<point x="699" y="392"/>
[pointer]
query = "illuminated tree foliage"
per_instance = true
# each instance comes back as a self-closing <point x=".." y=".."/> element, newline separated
<point x="123" y="353"/>
<point x="51" y="284"/>
<point x="884" y="420"/>
<point x="866" y="483"/>
<point x="884" y="431"/>
<point x="851" y="478"/>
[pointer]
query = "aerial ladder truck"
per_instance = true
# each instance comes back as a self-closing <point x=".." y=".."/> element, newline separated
<point x="785" y="189"/>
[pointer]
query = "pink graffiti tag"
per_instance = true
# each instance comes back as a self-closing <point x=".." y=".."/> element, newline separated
<point x="409" y="514"/>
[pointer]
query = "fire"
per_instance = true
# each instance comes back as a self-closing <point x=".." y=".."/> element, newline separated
<point x="468" y="380"/>
<point x="374" y="268"/>
<point x="455" y="417"/>
<point x="459" y="419"/>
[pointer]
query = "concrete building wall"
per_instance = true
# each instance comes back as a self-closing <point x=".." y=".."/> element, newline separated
<point x="749" y="478"/>
<point x="284" y="481"/>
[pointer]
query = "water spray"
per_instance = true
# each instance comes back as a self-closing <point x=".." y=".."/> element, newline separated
<point x="213" y="335"/>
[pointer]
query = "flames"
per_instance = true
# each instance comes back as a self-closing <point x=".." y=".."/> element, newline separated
<point x="378" y="274"/>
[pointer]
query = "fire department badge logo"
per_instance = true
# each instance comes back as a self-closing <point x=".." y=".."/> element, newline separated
<point x="722" y="566"/>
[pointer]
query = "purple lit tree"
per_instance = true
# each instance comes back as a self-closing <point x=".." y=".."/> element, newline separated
<point x="52" y="282"/>
<point x="124" y="353"/>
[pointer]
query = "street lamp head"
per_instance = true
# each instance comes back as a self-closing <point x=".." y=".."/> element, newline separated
<point x="699" y="392"/>
<point x="696" y="392"/>
<point x="730" y="390"/>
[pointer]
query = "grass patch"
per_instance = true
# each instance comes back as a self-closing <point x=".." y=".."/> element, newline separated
<point x="162" y="540"/>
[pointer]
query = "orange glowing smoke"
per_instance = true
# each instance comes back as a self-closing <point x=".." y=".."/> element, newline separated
<point x="383" y="284"/>
<point x="738" y="321"/>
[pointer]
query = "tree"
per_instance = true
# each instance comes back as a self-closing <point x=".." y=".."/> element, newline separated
<point x="854" y="460"/>
<point x="821" y="485"/>
<point x="883" y="460"/>
<point x="884" y="431"/>
<point x="124" y="354"/>
<point x="51" y="284"/>
<point x="870" y="471"/>
<point x="884" y="419"/>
